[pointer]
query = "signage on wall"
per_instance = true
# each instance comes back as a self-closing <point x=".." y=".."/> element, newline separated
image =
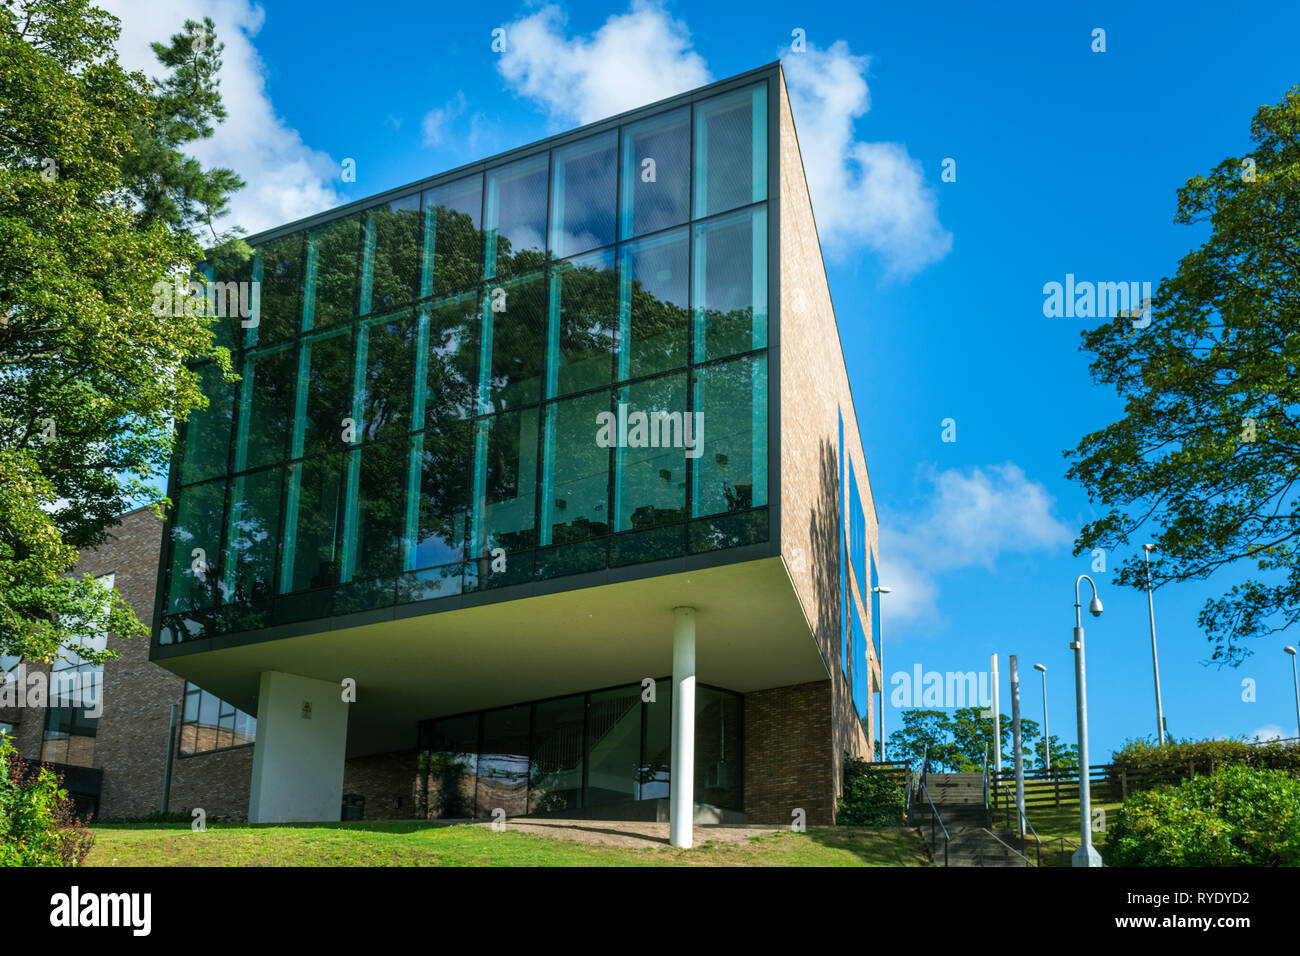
<point x="306" y="710"/>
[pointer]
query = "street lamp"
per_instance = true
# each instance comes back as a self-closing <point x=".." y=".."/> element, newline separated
<point x="1295" y="682"/>
<point x="1085" y="855"/>
<point x="1047" y="739"/>
<point x="880" y="662"/>
<point x="1155" y="663"/>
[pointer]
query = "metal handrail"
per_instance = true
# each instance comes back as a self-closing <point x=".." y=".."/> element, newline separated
<point x="933" y="819"/>
<point x="1028" y="862"/>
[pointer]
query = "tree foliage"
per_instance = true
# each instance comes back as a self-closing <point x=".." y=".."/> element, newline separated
<point x="1208" y="450"/>
<point x="97" y="205"/>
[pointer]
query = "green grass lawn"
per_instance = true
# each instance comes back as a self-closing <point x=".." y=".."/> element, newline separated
<point x="1051" y="823"/>
<point x="417" y="844"/>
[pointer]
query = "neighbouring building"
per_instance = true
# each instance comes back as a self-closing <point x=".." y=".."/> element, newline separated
<point x="541" y="490"/>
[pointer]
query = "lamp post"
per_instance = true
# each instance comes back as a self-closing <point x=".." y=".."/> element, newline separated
<point x="1295" y="682"/>
<point x="1155" y="663"/>
<point x="880" y="662"/>
<point x="1047" y="738"/>
<point x="1085" y="855"/>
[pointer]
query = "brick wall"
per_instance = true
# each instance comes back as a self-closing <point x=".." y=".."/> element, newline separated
<point x="787" y="736"/>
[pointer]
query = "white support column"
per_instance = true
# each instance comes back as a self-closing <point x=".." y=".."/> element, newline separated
<point x="302" y="735"/>
<point x="681" y="788"/>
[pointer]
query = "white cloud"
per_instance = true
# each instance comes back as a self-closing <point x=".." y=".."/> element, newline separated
<point x="285" y="178"/>
<point x="863" y="193"/>
<point x="967" y="519"/>
<point x="635" y="58"/>
<point x="437" y="122"/>
<point x="1271" y="732"/>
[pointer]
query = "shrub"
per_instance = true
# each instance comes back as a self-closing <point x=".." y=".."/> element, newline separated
<point x="1207" y="755"/>
<point x="871" y="798"/>
<point x="1237" y="816"/>
<point x="38" y="826"/>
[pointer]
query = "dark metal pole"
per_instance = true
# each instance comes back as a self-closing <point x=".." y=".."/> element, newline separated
<point x="167" y="771"/>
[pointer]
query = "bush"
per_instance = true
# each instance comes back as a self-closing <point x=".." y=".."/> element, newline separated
<point x="1145" y="756"/>
<point x="1237" y="816"/>
<point x="37" y="822"/>
<point x="871" y="798"/>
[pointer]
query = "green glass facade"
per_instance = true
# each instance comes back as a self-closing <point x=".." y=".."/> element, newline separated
<point x="584" y="751"/>
<point x="423" y="382"/>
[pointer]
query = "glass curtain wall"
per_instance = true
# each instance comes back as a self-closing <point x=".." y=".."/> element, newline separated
<point x="552" y="366"/>
<point x="575" y="753"/>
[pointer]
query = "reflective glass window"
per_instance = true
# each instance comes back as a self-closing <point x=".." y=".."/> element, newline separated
<point x="731" y="471"/>
<point x="205" y="450"/>
<point x="453" y="240"/>
<point x="656" y="173"/>
<point x="265" y="408"/>
<point x="388" y="352"/>
<point x="515" y="212"/>
<point x="279" y="269"/>
<point x="614" y="745"/>
<point x="583" y="322"/>
<point x="325" y="394"/>
<point x="731" y="150"/>
<point x="313" y="524"/>
<point x="575" y="501"/>
<point x="195" y="533"/>
<point x="252" y="537"/>
<point x="555" y="770"/>
<point x="731" y="284"/>
<point x="503" y="762"/>
<point x="514" y="334"/>
<point x="392" y="255"/>
<point x="653" y="305"/>
<point x="334" y="272"/>
<point x="583" y="190"/>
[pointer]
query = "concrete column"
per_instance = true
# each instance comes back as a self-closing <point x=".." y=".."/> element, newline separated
<point x="302" y="735"/>
<point x="681" y="789"/>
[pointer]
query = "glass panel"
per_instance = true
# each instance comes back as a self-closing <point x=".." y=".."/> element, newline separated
<point x="731" y="285"/>
<point x="583" y="195"/>
<point x="313" y="545"/>
<point x="390" y="354"/>
<point x="394" y="254"/>
<point x="651" y="478"/>
<point x="443" y="458"/>
<point x="503" y="762"/>
<point x="335" y="269"/>
<point x="731" y="151"/>
<point x="717" y="748"/>
<point x="452" y="241"/>
<point x="583" y="323"/>
<point x="230" y="298"/>
<point x="613" y="745"/>
<point x="555" y="773"/>
<point x="207" y="727"/>
<point x="731" y="401"/>
<point x="325" y="395"/>
<point x="278" y="268"/>
<point x="656" y="173"/>
<point x="380" y="515"/>
<point x="653" y="304"/>
<point x="657" y="763"/>
<point x="452" y="357"/>
<point x="450" y="767"/>
<point x="196" y="527"/>
<point x="265" y="408"/>
<point x="226" y="726"/>
<point x="514" y="335"/>
<point x="245" y="728"/>
<point x="508" y="483"/>
<point x="515" y="225"/>
<point x="248" y="572"/>
<point x="206" y="449"/>
<point x="575" y="500"/>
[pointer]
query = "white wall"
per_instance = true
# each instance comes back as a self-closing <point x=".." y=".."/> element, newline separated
<point x="298" y="761"/>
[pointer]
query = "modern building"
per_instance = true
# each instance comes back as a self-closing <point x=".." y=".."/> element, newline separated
<point x="541" y="488"/>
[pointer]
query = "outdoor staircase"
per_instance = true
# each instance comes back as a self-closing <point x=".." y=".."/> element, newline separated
<point x="959" y="800"/>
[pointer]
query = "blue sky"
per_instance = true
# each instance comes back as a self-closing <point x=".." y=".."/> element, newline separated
<point x="1067" y="161"/>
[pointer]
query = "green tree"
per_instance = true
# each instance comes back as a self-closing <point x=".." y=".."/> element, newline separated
<point x="1209" y="445"/>
<point x="96" y="207"/>
<point x="922" y="733"/>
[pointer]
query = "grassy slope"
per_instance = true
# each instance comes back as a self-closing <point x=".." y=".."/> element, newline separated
<point x="414" y="844"/>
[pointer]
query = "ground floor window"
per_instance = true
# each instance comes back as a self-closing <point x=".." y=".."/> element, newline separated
<point x="567" y="754"/>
